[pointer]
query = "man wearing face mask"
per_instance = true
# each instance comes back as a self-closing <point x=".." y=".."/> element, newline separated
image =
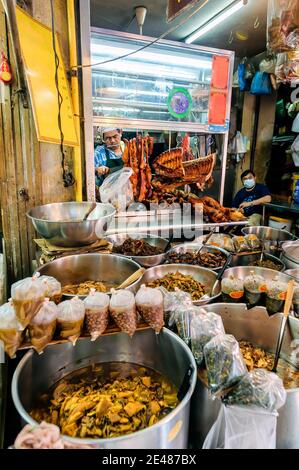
<point x="251" y="198"/>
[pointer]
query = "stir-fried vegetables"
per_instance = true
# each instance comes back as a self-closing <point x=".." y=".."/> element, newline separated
<point x="99" y="407"/>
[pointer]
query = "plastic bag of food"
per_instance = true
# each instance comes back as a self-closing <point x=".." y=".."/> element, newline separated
<point x="240" y="244"/>
<point x="255" y="288"/>
<point x="96" y="313"/>
<point x="117" y="189"/>
<point x="253" y="242"/>
<point x="232" y="289"/>
<point x="123" y="310"/>
<point x="173" y="300"/>
<point x="224" y="362"/>
<point x="52" y="289"/>
<point x="28" y="296"/>
<point x="150" y="305"/>
<point x="260" y="388"/>
<point x="240" y="427"/>
<point x="70" y="319"/>
<point x="11" y="332"/>
<point x="222" y="241"/>
<point x="276" y="295"/>
<point x="43" y="326"/>
<point x="282" y="20"/>
<point x="204" y="326"/>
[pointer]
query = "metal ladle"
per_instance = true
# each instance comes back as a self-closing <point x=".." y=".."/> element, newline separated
<point x="286" y="311"/>
<point x="205" y="241"/>
<point x="92" y="207"/>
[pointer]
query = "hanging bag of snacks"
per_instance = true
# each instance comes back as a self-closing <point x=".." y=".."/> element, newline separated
<point x="96" y="313"/>
<point x="70" y="319"/>
<point x="43" y="326"/>
<point x="11" y="332"/>
<point x="27" y="296"/>
<point x="204" y="326"/>
<point x="149" y="303"/>
<point x="123" y="310"/>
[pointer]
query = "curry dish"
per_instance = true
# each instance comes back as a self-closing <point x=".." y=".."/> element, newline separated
<point x="108" y="400"/>
<point x="186" y="283"/>
<point x="84" y="288"/>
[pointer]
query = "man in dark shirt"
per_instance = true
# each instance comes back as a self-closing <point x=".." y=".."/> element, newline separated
<point x="251" y="198"/>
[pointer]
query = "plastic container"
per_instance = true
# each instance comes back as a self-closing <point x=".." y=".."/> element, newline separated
<point x="280" y="223"/>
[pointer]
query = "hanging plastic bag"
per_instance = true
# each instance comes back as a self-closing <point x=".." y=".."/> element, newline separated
<point x="149" y="303"/>
<point x="173" y="300"/>
<point x="10" y="330"/>
<point x="42" y="327"/>
<point x="70" y="319"/>
<point x="204" y="326"/>
<point x="245" y="74"/>
<point x="117" y="189"/>
<point x="123" y="310"/>
<point x="28" y="296"/>
<point x="260" y="388"/>
<point x="96" y="313"/>
<point x="240" y="427"/>
<point x="224" y="362"/>
<point x="52" y="289"/>
<point x="268" y="64"/>
<point x="261" y="84"/>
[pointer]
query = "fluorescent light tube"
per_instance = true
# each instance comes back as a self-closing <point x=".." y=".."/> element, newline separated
<point x="214" y="22"/>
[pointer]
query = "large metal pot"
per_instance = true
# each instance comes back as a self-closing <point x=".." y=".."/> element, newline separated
<point x="62" y="224"/>
<point x="239" y="259"/>
<point x="241" y="272"/>
<point x="165" y="352"/>
<point x="112" y="269"/>
<point x="206" y="276"/>
<point x="146" y="261"/>
<point x="269" y="233"/>
<point x="257" y="327"/>
<point x="290" y="255"/>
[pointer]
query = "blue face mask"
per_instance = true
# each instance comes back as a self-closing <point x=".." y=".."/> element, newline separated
<point x="249" y="183"/>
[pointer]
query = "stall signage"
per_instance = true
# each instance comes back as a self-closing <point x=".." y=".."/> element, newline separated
<point x="176" y="7"/>
<point x="179" y="102"/>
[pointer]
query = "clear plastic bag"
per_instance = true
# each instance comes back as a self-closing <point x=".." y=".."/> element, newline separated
<point x="240" y="244"/>
<point x="70" y="319"/>
<point x="282" y="20"/>
<point x="222" y="241"/>
<point x="28" y="296"/>
<point x="204" y="326"/>
<point x="276" y="294"/>
<point x="268" y="64"/>
<point x="255" y="288"/>
<point x="173" y="300"/>
<point x="253" y="242"/>
<point x="96" y="313"/>
<point x="117" y="189"/>
<point x="260" y="388"/>
<point x="150" y="305"/>
<point x="232" y="289"/>
<point x="52" y="289"/>
<point x="43" y="326"/>
<point x="224" y="362"/>
<point x="240" y="427"/>
<point x="123" y="310"/>
<point x="10" y="330"/>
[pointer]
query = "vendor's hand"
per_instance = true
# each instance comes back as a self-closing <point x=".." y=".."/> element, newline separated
<point x="102" y="170"/>
<point x="245" y="204"/>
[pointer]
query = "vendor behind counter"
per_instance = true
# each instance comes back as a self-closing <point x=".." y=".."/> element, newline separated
<point x="251" y="198"/>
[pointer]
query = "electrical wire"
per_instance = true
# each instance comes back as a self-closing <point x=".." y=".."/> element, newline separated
<point x="67" y="176"/>
<point x="169" y="31"/>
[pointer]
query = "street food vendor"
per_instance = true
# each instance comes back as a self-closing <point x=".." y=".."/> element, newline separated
<point x="108" y="157"/>
<point x="251" y="197"/>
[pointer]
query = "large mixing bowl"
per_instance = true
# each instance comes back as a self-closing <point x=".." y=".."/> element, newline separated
<point x="146" y="261"/>
<point x="249" y="259"/>
<point x="166" y="353"/>
<point x="112" y="269"/>
<point x="293" y="272"/>
<point x="261" y="330"/>
<point x="206" y="276"/>
<point x="273" y="237"/>
<point x="290" y="255"/>
<point x="62" y="223"/>
<point x="192" y="248"/>
<point x="240" y="272"/>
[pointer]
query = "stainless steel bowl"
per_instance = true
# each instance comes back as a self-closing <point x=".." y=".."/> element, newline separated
<point x="112" y="269"/>
<point x="290" y="255"/>
<point x="249" y="260"/>
<point x="146" y="261"/>
<point x="269" y="233"/>
<point x="206" y="276"/>
<point x="293" y="273"/>
<point x="192" y="247"/>
<point x="62" y="224"/>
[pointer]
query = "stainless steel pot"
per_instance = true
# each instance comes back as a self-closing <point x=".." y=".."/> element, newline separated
<point x="290" y="255"/>
<point x="257" y="327"/>
<point x="146" y="261"/>
<point x="206" y="276"/>
<point x="250" y="259"/>
<point x="192" y="247"/>
<point x="165" y="352"/>
<point x="268" y="274"/>
<point x="293" y="272"/>
<point x="62" y="224"/>
<point x="74" y="269"/>
<point x="272" y="237"/>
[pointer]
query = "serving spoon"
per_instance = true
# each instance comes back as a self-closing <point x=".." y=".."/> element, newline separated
<point x="286" y="311"/>
<point x="92" y="207"/>
<point x="131" y="278"/>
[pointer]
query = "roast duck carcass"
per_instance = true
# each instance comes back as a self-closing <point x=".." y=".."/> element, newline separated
<point x="136" y="155"/>
<point x="172" y="171"/>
